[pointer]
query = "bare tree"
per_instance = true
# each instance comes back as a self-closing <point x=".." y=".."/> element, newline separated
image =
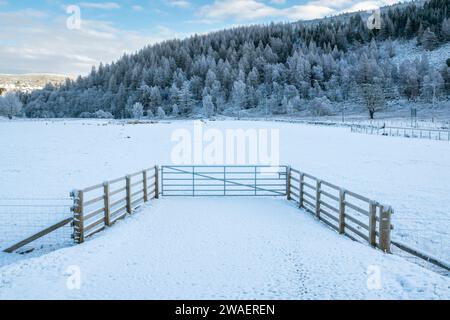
<point x="372" y="96"/>
<point x="10" y="105"/>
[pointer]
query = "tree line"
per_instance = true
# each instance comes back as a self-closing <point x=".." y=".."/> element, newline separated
<point x="272" y="69"/>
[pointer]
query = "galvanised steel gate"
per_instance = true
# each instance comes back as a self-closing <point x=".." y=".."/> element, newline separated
<point x="204" y="181"/>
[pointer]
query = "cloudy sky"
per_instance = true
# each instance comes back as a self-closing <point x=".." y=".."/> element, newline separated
<point x="46" y="36"/>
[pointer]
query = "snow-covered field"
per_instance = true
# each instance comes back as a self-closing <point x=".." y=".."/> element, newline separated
<point x="243" y="249"/>
<point x="50" y="158"/>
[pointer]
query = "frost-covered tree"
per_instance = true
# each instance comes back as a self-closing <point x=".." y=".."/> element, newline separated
<point x="372" y="97"/>
<point x="433" y="86"/>
<point x="429" y="40"/>
<point x="239" y="95"/>
<point x="208" y="106"/>
<point x="186" y="102"/>
<point x="161" y="113"/>
<point x="290" y="107"/>
<point x="320" y="107"/>
<point x="136" y="110"/>
<point x="175" y="110"/>
<point x="10" y="105"/>
<point x="445" y="29"/>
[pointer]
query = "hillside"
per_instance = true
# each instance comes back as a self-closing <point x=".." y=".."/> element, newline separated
<point x="293" y="68"/>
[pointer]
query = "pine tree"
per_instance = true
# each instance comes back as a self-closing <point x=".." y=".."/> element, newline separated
<point x="137" y="110"/>
<point x="161" y="113"/>
<point x="208" y="106"/>
<point x="239" y="95"/>
<point x="429" y="40"/>
<point x="185" y="99"/>
<point x="445" y="29"/>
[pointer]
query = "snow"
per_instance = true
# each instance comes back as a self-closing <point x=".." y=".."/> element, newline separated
<point x="409" y="50"/>
<point x="243" y="249"/>
<point x="51" y="158"/>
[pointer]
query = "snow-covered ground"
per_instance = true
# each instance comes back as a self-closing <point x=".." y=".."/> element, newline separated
<point x="243" y="249"/>
<point x="408" y="50"/>
<point x="50" y="158"/>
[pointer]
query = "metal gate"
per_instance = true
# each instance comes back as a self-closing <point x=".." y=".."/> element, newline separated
<point x="204" y="181"/>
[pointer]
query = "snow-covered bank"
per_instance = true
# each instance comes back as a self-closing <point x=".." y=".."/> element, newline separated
<point x="243" y="249"/>
<point x="49" y="159"/>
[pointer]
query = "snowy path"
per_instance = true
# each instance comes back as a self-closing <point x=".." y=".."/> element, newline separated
<point x="244" y="248"/>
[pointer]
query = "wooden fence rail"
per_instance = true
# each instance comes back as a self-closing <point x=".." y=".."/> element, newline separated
<point x="347" y="212"/>
<point x="102" y="205"/>
<point x="38" y="235"/>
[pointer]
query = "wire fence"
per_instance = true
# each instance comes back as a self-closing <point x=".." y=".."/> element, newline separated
<point x="416" y="133"/>
<point x="24" y="217"/>
<point x="422" y="236"/>
<point x="405" y="123"/>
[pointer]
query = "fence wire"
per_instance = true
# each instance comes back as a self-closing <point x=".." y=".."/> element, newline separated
<point x="21" y="218"/>
<point x="420" y="234"/>
<point x="404" y="123"/>
<point x="403" y="132"/>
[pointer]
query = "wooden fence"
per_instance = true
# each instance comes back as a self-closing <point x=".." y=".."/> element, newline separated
<point x="347" y="212"/>
<point x="100" y="206"/>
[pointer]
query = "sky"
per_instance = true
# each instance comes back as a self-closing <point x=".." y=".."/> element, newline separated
<point x="69" y="37"/>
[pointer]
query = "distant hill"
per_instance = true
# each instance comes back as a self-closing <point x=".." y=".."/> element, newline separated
<point x="28" y="82"/>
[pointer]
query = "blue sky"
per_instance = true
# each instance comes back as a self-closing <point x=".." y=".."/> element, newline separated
<point x="35" y="36"/>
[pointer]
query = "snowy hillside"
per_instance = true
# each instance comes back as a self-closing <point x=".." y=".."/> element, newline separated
<point x="243" y="249"/>
<point x="276" y="69"/>
<point x="410" y="50"/>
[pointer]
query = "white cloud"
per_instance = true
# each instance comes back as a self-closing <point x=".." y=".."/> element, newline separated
<point x="31" y="44"/>
<point x="253" y="9"/>
<point x="250" y="10"/>
<point x="179" y="3"/>
<point x="137" y="7"/>
<point x="100" y="5"/>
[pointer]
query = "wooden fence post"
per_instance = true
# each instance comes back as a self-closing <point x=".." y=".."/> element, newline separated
<point x="78" y="211"/>
<point x="128" y="187"/>
<point x="144" y="177"/>
<point x="385" y="228"/>
<point x="156" y="182"/>
<point x="319" y="184"/>
<point x="288" y="183"/>
<point x="342" y="211"/>
<point x="373" y="224"/>
<point x="301" y="188"/>
<point x="107" y="204"/>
